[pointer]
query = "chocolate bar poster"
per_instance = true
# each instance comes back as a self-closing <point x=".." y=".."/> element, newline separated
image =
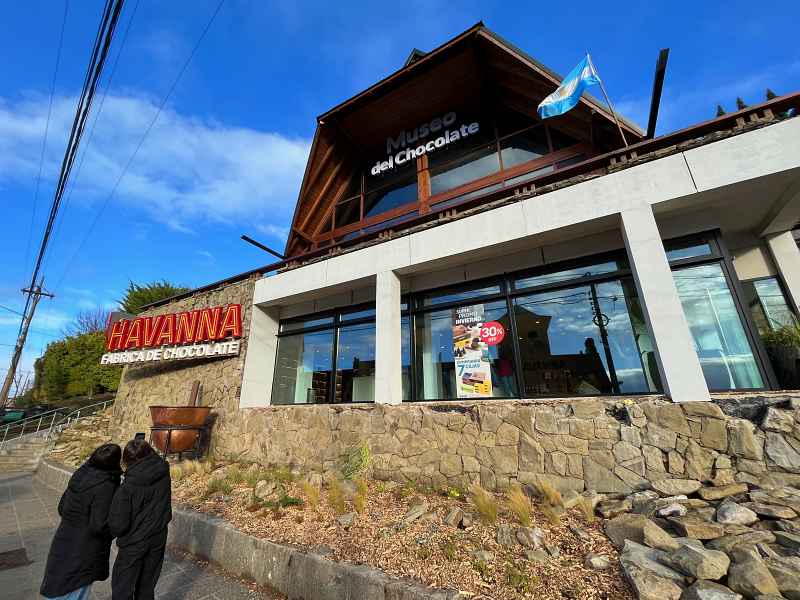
<point x="470" y="353"/>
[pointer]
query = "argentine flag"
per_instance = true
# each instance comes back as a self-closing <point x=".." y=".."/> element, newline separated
<point x="569" y="92"/>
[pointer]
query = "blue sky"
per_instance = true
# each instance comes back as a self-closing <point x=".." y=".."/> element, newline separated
<point x="227" y="154"/>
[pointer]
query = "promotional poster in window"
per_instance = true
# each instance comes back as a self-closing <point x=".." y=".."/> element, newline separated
<point x="471" y="340"/>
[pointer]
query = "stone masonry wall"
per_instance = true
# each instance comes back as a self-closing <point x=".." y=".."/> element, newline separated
<point x="611" y="446"/>
<point x="169" y="383"/>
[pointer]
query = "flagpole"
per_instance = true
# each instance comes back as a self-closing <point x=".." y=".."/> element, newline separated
<point x="608" y="101"/>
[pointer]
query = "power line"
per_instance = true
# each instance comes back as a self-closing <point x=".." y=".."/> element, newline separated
<point x="139" y="145"/>
<point x="46" y="129"/>
<point x="60" y="220"/>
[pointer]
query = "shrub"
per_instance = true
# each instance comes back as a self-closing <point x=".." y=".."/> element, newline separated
<point x="176" y="472"/>
<point x="255" y="474"/>
<point x="520" y="505"/>
<point x="282" y="475"/>
<point x="586" y="506"/>
<point x="312" y="494"/>
<point x="360" y="498"/>
<point x="485" y="503"/>
<point x="549" y="494"/>
<point x="483" y="570"/>
<point x="235" y="475"/>
<point x="788" y="335"/>
<point x="553" y="513"/>
<point x="356" y="461"/>
<point x="218" y="485"/>
<point x="449" y="549"/>
<point x="336" y="497"/>
<point x="518" y="579"/>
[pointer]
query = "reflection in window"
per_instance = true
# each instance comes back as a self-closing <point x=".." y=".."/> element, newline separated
<point x="305" y="323"/>
<point x="523" y="147"/>
<point x="303" y="368"/>
<point x="471" y="166"/>
<point x="767" y="304"/>
<point x="719" y="335"/>
<point x="436" y="375"/>
<point x="390" y="191"/>
<point x="348" y="212"/>
<point x="561" y="140"/>
<point x="585" y="340"/>
<point x="405" y="353"/>
<point x="604" y="268"/>
<point x="443" y="297"/>
<point x="681" y="250"/>
<point x="355" y="364"/>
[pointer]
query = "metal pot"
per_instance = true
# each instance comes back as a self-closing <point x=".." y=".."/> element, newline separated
<point x="180" y="440"/>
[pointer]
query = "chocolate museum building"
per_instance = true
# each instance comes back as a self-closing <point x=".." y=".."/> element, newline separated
<point x="465" y="286"/>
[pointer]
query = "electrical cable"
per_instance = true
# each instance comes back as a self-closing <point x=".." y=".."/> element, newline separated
<point x="46" y="131"/>
<point x="139" y="145"/>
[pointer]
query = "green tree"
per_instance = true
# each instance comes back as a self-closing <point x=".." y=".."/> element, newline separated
<point x="139" y="295"/>
<point x="740" y="105"/>
<point x="720" y="110"/>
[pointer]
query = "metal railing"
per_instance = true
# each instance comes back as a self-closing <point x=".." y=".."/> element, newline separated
<point x="46" y="423"/>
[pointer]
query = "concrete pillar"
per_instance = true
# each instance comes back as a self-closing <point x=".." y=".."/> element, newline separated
<point x="786" y="256"/>
<point x="678" y="364"/>
<point x="259" y="363"/>
<point x="388" y="339"/>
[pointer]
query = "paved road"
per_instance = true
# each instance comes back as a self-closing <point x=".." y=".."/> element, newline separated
<point x="28" y="518"/>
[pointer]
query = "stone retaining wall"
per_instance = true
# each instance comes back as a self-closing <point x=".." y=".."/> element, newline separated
<point x="610" y="446"/>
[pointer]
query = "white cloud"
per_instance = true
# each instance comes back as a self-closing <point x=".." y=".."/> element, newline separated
<point x="188" y="170"/>
<point x="274" y="231"/>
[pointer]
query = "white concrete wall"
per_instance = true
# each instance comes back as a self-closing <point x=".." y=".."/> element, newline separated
<point x="388" y="339"/>
<point x="786" y="255"/>
<point x="752" y="262"/>
<point x="259" y="366"/>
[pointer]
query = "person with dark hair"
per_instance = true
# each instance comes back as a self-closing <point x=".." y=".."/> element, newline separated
<point x="81" y="547"/>
<point x="140" y="513"/>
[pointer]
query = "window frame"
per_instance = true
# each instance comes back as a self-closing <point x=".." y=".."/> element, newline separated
<point x="786" y="297"/>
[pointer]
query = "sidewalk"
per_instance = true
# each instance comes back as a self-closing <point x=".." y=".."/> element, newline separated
<point x="28" y="518"/>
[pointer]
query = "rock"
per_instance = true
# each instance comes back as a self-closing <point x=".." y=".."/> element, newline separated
<point x="580" y="533"/>
<point x="642" y="499"/>
<point x="788" y="540"/>
<point x="728" y="543"/>
<point x="700" y="563"/>
<point x="674" y="487"/>
<point x="696" y="528"/>
<point x="782" y="453"/>
<point x="414" y="513"/>
<point x="771" y="511"/>
<point x="736" y="514"/>
<point x="718" y="493"/>
<point x="776" y="419"/>
<point x="536" y="556"/>
<point x="751" y="578"/>
<point x="453" y="517"/>
<point x="647" y="575"/>
<point x="742" y="441"/>
<point x="708" y="590"/>
<point x="786" y="576"/>
<point x="264" y="489"/>
<point x="505" y="536"/>
<point x="597" y="562"/>
<point x="626" y="527"/>
<point x="672" y="510"/>
<point x="482" y="555"/>
<point x="347" y="520"/>
<point x="552" y="549"/>
<point x="655" y="537"/>
<point x="603" y="480"/>
<point x="570" y="499"/>
<point x="529" y="537"/>
<point x="466" y="521"/>
<point x="608" y="509"/>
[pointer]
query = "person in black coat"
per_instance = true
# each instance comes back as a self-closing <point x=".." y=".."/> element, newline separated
<point x="140" y="513"/>
<point x="81" y="546"/>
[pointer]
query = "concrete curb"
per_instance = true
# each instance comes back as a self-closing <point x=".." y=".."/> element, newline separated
<point x="298" y="574"/>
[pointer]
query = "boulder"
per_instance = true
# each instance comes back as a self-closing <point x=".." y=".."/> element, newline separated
<point x="786" y="576"/>
<point x="718" y="493"/>
<point x="655" y="537"/>
<point x="708" y="590"/>
<point x="608" y="509"/>
<point x="742" y="441"/>
<point x="530" y="537"/>
<point x="700" y="563"/>
<point x="728" y="543"/>
<point x="672" y="510"/>
<point x="674" y="487"/>
<point x="347" y="520"/>
<point x="751" y="578"/>
<point x="730" y="513"/>
<point x="536" y="556"/>
<point x="782" y="453"/>
<point x="648" y="576"/>
<point x="264" y="489"/>
<point x="454" y="517"/>
<point x="414" y="513"/>
<point x="624" y="527"/>
<point x="788" y="540"/>
<point x="603" y="480"/>
<point x="776" y="419"/>
<point x="694" y="527"/>
<point x="482" y="555"/>
<point x="505" y="536"/>
<point x="771" y="511"/>
<point x="597" y="562"/>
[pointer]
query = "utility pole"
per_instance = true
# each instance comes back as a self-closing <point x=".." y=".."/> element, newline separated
<point x="36" y="293"/>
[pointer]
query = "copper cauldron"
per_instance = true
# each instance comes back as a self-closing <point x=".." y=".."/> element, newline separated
<point x="180" y="440"/>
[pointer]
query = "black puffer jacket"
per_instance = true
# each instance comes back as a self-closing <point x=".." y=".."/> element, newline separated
<point x="142" y="506"/>
<point x="81" y="546"/>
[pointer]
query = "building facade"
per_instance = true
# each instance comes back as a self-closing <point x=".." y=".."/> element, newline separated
<point x="447" y="244"/>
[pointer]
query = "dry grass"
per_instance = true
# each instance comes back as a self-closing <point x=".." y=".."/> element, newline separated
<point x="520" y="505"/>
<point x="552" y="513"/>
<point x="586" y="508"/>
<point x="312" y="494"/>
<point x="176" y="472"/>
<point x="336" y="497"/>
<point x="360" y="498"/>
<point x="485" y="503"/>
<point x="218" y="485"/>
<point x="549" y="494"/>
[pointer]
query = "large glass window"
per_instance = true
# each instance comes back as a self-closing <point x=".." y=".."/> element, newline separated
<point x="584" y="340"/>
<point x="303" y="368"/>
<point x="355" y="364"/>
<point x="524" y="147"/>
<point x="468" y="167"/>
<point x="455" y="362"/>
<point x="719" y="335"/>
<point x="767" y="304"/>
<point x="389" y="191"/>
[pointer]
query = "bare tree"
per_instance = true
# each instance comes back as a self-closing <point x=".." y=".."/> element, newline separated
<point x="88" y="321"/>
